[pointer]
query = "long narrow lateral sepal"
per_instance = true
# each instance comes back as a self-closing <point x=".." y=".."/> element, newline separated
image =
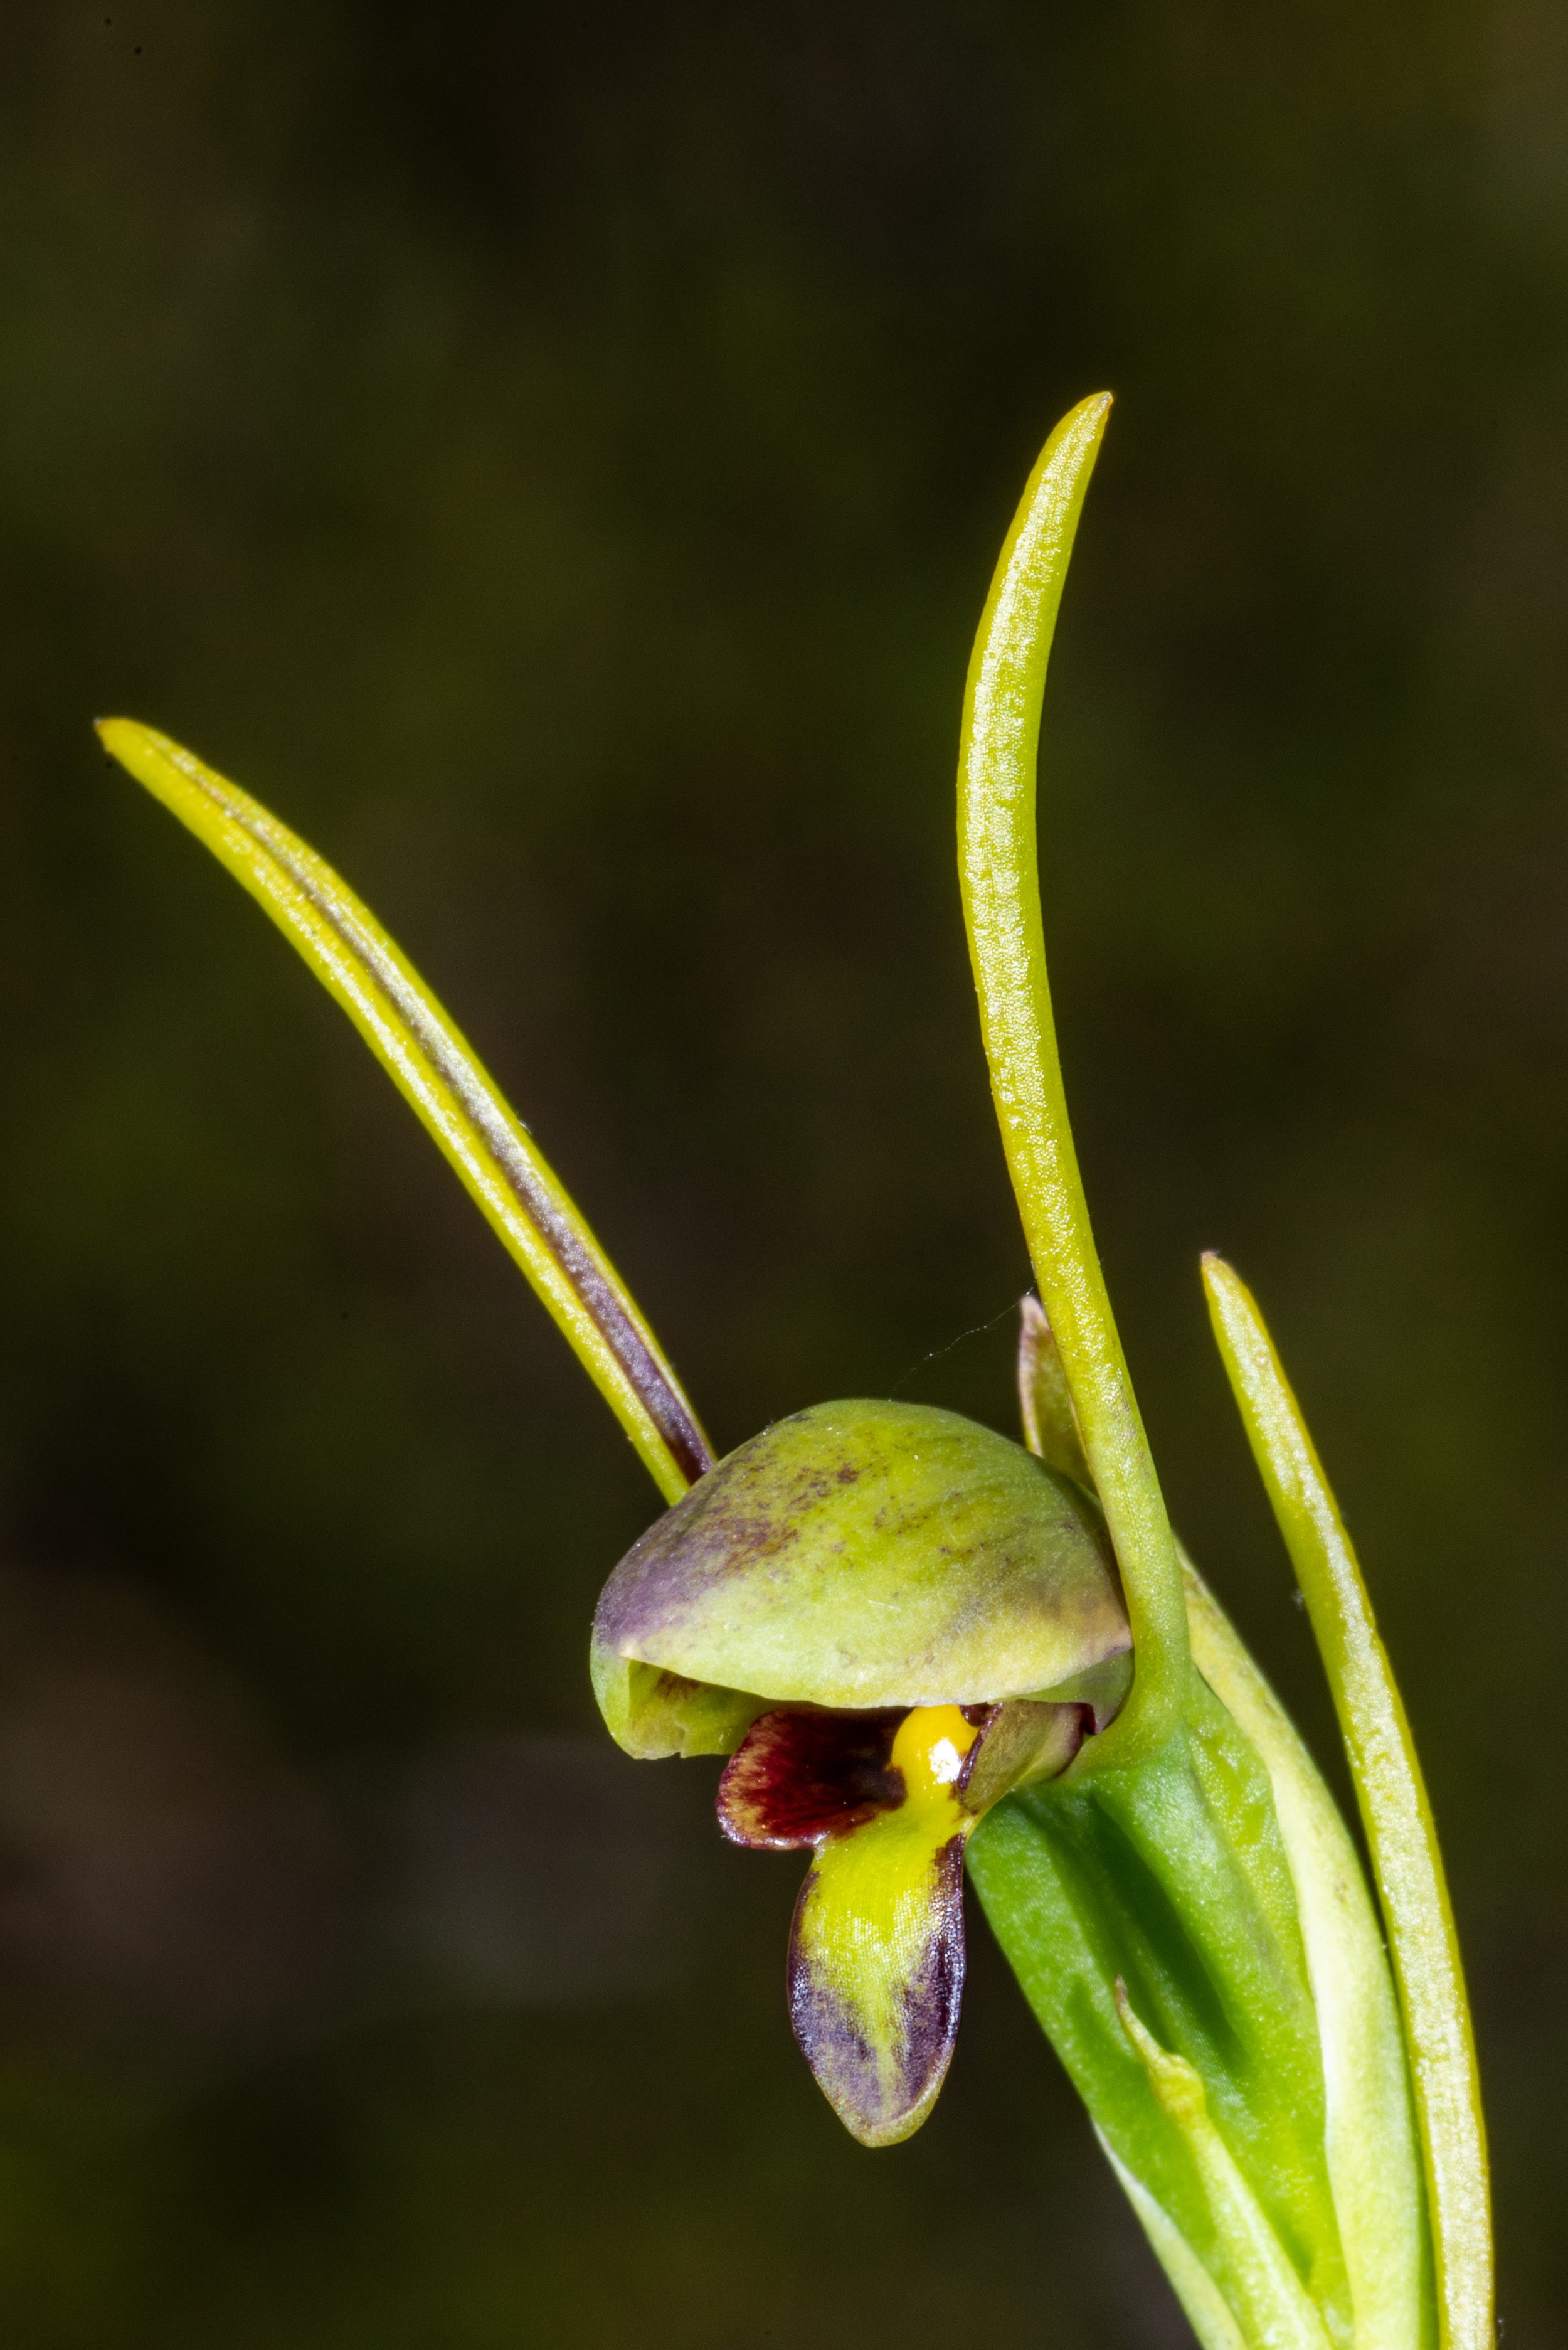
<point x="449" y="1091"/>
<point x="997" y="870"/>
<point x="1398" y="1817"/>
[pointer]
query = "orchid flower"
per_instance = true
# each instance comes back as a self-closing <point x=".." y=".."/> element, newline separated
<point x="926" y="1652"/>
<point x="888" y="1618"/>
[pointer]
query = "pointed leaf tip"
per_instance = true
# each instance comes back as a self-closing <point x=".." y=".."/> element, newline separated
<point x="1392" y="1796"/>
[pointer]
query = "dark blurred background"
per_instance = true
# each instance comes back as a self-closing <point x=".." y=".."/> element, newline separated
<point x="555" y="455"/>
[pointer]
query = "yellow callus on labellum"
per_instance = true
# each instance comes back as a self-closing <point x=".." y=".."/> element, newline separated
<point x="887" y="1618"/>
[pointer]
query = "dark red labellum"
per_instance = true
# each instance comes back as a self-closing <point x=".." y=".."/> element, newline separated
<point x="798" y="1778"/>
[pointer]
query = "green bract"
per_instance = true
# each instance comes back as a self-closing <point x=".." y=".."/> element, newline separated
<point x="920" y="1647"/>
<point x="871" y="1555"/>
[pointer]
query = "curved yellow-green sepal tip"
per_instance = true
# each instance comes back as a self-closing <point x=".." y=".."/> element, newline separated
<point x="449" y="1090"/>
<point x="999" y="875"/>
<point x="877" y="1949"/>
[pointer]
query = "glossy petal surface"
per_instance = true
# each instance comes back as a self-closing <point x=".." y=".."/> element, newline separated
<point x="867" y="1554"/>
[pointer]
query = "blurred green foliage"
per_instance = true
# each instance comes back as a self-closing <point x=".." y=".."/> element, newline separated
<point x="555" y="456"/>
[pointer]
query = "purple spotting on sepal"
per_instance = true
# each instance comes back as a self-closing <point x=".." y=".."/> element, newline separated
<point x="866" y="1555"/>
<point x="798" y="1778"/>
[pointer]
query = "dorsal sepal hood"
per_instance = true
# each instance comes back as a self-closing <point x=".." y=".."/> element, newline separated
<point x="867" y="1554"/>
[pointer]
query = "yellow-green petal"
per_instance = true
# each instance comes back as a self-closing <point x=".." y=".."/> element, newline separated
<point x="652" y="1715"/>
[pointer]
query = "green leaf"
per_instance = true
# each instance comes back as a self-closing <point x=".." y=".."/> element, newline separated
<point x="1374" y="2162"/>
<point x="1208" y="2313"/>
<point x="1398" y="1817"/>
<point x="1173" y="1876"/>
<point x="1271" y="2302"/>
<point x="455" y="1099"/>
